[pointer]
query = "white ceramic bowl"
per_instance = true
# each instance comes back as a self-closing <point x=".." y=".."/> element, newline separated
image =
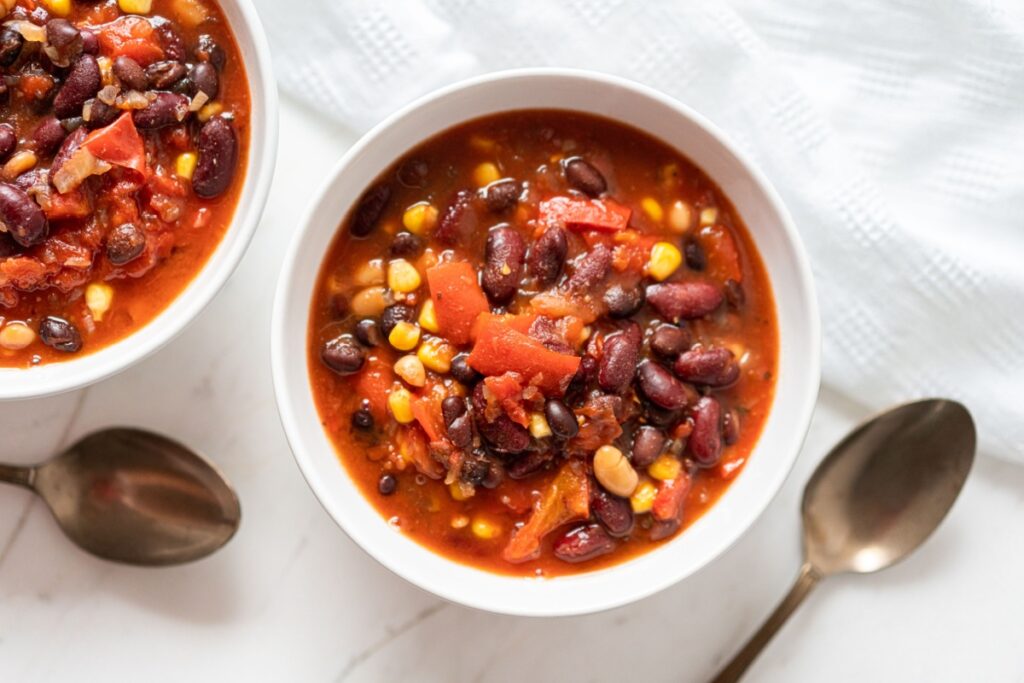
<point x="776" y="239"/>
<point x="53" y="378"/>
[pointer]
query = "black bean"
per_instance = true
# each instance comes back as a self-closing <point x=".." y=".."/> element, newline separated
<point x="369" y="210"/>
<point x="583" y="543"/>
<point x="561" y="419"/>
<point x="169" y="109"/>
<point x="713" y="366"/>
<point x="11" y="43"/>
<point x="8" y="140"/>
<point x="47" y="136"/>
<point x="82" y="83"/>
<point x="731" y="427"/>
<point x="343" y="355"/>
<point x="460" y="433"/>
<point x="495" y="474"/>
<point x="452" y="407"/>
<point x="503" y="264"/>
<point x="205" y="79"/>
<point x="502" y="195"/>
<point x="475" y="468"/>
<point x="623" y="301"/>
<point x="163" y="75"/>
<point x="23" y="218"/>
<point x="208" y="50"/>
<point x="368" y="332"/>
<point x="618" y="360"/>
<point x="413" y="173"/>
<point x="668" y="340"/>
<point x="170" y="40"/>
<point x="614" y="513"/>
<point x="125" y="243"/>
<point x="662" y="388"/>
<point x="395" y="314"/>
<point x="458" y="221"/>
<point x="461" y="371"/>
<point x="64" y="39"/>
<point x="59" y="334"/>
<point x="100" y="113"/>
<point x="406" y="245"/>
<point x="705" y="442"/>
<point x="547" y="256"/>
<point x="684" y="300"/>
<point x="387" y="484"/>
<point x="582" y="175"/>
<point x="648" y="444"/>
<point x="131" y="75"/>
<point x="591" y="269"/>
<point x="362" y="418"/>
<point x="696" y="259"/>
<point x="217" y="147"/>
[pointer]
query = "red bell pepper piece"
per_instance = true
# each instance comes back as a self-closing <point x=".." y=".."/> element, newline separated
<point x="566" y="499"/>
<point x="120" y="144"/>
<point x="500" y="349"/>
<point x="585" y="214"/>
<point x="458" y="299"/>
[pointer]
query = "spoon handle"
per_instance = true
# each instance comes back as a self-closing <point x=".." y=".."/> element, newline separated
<point x="808" y="579"/>
<point x="21" y="476"/>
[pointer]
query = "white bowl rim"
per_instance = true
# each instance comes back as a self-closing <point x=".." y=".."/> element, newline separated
<point x="450" y="590"/>
<point x="75" y="373"/>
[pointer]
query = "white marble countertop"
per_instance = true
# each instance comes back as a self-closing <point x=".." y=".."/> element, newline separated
<point x="292" y="598"/>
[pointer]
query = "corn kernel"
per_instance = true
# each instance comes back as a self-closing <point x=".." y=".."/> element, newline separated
<point x="209" y="111"/>
<point x="404" y="336"/>
<point x="419" y="219"/>
<point x="191" y="13"/>
<point x="460" y="522"/>
<point x="411" y="370"/>
<point x="652" y="208"/>
<point x="461" y="491"/>
<point x="665" y="259"/>
<point x="185" y="165"/>
<point x="539" y="427"/>
<point x="484" y="529"/>
<point x="61" y="8"/>
<point x="18" y="164"/>
<point x="16" y="335"/>
<point x="642" y="499"/>
<point x="135" y="6"/>
<point x="428" y="317"/>
<point x="665" y="468"/>
<point x="400" y="405"/>
<point x="403" y="276"/>
<point x="680" y="216"/>
<point x="708" y="216"/>
<point x="369" y="302"/>
<point x="485" y="174"/>
<point x="436" y="354"/>
<point x="98" y="297"/>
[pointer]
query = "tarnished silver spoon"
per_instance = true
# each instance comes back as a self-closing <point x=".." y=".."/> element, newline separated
<point x="873" y="500"/>
<point x="132" y="496"/>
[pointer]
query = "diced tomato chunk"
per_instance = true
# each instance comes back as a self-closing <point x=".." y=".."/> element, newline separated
<point x="566" y="499"/>
<point x="119" y="143"/>
<point x="73" y="204"/>
<point x="722" y="253"/>
<point x="130" y="36"/>
<point x="507" y="389"/>
<point x="500" y="349"/>
<point x="585" y="214"/>
<point x="458" y="299"/>
<point x="426" y="408"/>
<point x="375" y="381"/>
<point x="668" y="502"/>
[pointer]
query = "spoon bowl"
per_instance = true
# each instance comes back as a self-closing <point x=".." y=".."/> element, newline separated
<point x="136" y="497"/>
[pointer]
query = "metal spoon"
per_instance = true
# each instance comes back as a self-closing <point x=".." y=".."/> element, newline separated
<point x="873" y="500"/>
<point x="136" y="497"/>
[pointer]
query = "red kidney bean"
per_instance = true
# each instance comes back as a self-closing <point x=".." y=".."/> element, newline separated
<point x="47" y="136"/>
<point x="662" y="529"/>
<point x="586" y="372"/>
<point x="11" y="43"/>
<point x="714" y="366"/>
<point x="548" y="256"/>
<point x="167" y="109"/>
<point x="90" y="43"/>
<point x="163" y="75"/>
<point x="614" y="513"/>
<point x="170" y="40"/>
<point x="734" y="293"/>
<point x="59" y="334"/>
<point x="684" y="300"/>
<point x="395" y="314"/>
<point x="125" y="243"/>
<point x="623" y="300"/>
<point x="502" y="195"/>
<point x="582" y="544"/>
<point x="131" y="75"/>
<point x="204" y="77"/>
<point x="545" y="330"/>
<point x="458" y="221"/>
<point x="218" y="155"/>
<point x="696" y="258"/>
<point x="369" y="210"/>
<point x="67" y="148"/>
<point x="413" y="173"/>
<point x="648" y="444"/>
<point x="662" y="388"/>
<point x="561" y="419"/>
<point x="64" y="39"/>
<point x="24" y="220"/>
<point x="504" y="435"/>
<point x="669" y="340"/>
<point x="343" y="355"/>
<point x="461" y="371"/>
<point x="460" y="433"/>
<point x="529" y="463"/>
<point x="82" y="83"/>
<point x="582" y="175"/>
<point x="100" y="113"/>
<point x="209" y="51"/>
<point x="618" y="360"/>
<point x="503" y="264"/>
<point x="705" y="442"/>
<point x="591" y="269"/>
<point x="731" y="427"/>
<point x="8" y="140"/>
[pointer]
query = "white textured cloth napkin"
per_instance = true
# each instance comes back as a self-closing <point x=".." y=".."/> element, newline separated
<point x="893" y="130"/>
